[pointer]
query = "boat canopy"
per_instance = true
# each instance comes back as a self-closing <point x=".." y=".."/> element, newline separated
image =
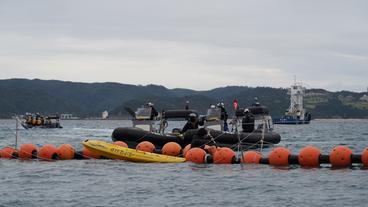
<point x="177" y="114"/>
<point x="213" y="114"/>
<point x="255" y="110"/>
<point x="143" y="113"/>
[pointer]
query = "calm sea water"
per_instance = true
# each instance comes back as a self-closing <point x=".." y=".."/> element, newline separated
<point x="118" y="183"/>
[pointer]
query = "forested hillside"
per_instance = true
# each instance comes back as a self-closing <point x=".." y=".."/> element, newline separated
<point x="19" y="96"/>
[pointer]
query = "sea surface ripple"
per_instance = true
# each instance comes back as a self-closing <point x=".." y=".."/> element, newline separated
<point x="119" y="183"/>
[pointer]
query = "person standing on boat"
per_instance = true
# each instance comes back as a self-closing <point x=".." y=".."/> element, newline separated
<point x="192" y="123"/>
<point x="187" y="105"/>
<point x="224" y="115"/>
<point x="248" y="121"/>
<point x="154" y="112"/>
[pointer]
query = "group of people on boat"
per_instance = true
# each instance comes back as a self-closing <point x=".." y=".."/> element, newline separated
<point x="38" y="120"/>
<point x="193" y="121"/>
<point x="35" y="119"/>
<point x="213" y="126"/>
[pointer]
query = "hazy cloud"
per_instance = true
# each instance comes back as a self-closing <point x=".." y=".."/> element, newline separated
<point x="191" y="44"/>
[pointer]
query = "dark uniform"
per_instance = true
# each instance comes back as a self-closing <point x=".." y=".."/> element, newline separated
<point x="201" y="139"/>
<point x="154" y="113"/>
<point x="191" y="124"/>
<point x="248" y="122"/>
<point x="223" y="115"/>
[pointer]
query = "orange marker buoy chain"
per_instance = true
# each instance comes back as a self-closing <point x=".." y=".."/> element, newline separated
<point x="186" y="149"/>
<point x="340" y="156"/>
<point x="48" y="152"/>
<point x="279" y="156"/>
<point x="171" y="149"/>
<point x="196" y="155"/>
<point x="8" y="153"/>
<point x="146" y="146"/>
<point x="251" y="157"/>
<point x="66" y="152"/>
<point x="28" y="151"/>
<point x="364" y="157"/>
<point x="224" y="155"/>
<point x="121" y="143"/>
<point x="309" y="156"/>
<point x="88" y="154"/>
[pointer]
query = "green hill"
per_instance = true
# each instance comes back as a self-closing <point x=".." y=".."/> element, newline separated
<point x="19" y="96"/>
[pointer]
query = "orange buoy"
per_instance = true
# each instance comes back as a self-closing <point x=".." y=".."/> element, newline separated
<point x="210" y="149"/>
<point x="196" y="155"/>
<point x="146" y="146"/>
<point x="224" y="155"/>
<point x="121" y="144"/>
<point x="186" y="149"/>
<point x="171" y="148"/>
<point x="309" y="156"/>
<point x="88" y="154"/>
<point x="279" y="156"/>
<point x="251" y="157"/>
<point x="340" y="156"/>
<point x="364" y="157"/>
<point x="48" y="152"/>
<point x="8" y="153"/>
<point x="66" y="152"/>
<point x="27" y="151"/>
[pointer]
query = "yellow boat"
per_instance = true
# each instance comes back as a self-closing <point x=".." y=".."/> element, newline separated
<point x="117" y="152"/>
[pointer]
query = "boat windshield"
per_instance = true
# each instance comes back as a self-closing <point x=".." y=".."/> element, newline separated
<point x="143" y="113"/>
<point x="213" y="114"/>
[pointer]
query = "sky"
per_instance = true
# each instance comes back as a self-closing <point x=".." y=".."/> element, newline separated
<point x="196" y="44"/>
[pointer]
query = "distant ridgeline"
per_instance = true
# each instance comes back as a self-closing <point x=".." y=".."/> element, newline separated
<point x="19" y="96"/>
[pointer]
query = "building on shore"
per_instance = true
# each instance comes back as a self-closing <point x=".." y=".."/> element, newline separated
<point x="364" y="98"/>
<point x="68" y="116"/>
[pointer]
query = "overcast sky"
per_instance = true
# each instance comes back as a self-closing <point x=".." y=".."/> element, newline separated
<point x="197" y="44"/>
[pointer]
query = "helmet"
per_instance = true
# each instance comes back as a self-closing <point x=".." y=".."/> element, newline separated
<point x="220" y="104"/>
<point x="192" y="117"/>
<point x="150" y="104"/>
<point x="246" y="110"/>
<point x="212" y="106"/>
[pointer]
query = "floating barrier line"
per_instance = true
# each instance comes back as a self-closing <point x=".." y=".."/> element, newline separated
<point x="310" y="156"/>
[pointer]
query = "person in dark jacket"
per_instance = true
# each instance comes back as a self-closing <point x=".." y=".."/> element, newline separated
<point x="154" y="112"/>
<point x="224" y="115"/>
<point x="248" y="122"/>
<point x="192" y="123"/>
<point x="203" y="140"/>
<point x="200" y="139"/>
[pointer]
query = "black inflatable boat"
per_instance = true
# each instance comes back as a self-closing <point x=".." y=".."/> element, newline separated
<point x="132" y="136"/>
<point x="143" y="129"/>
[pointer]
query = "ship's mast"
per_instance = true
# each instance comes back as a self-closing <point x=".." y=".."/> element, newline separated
<point x="296" y="93"/>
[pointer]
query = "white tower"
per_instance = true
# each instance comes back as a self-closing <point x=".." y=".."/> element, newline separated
<point x="296" y="93"/>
